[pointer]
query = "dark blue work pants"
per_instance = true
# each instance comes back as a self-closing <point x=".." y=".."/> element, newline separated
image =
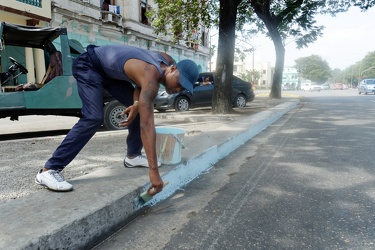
<point x="90" y="83"/>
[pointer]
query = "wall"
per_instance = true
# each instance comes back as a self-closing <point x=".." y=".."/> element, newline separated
<point x="87" y="23"/>
<point x="25" y="10"/>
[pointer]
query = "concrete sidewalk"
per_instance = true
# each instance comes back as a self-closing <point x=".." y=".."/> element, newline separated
<point x="107" y="199"/>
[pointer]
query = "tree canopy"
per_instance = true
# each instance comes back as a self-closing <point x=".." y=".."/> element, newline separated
<point x="313" y="68"/>
<point x="354" y="73"/>
<point x="180" y="19"/>
<point x="278" y="19"/>
<point x="248" y="75"/>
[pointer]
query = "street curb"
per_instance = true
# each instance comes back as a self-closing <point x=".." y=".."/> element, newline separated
<point x="83" y="218"/>
<point x="184" y="173"/>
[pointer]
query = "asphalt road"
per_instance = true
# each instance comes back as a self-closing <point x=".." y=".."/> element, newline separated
<point x="306" y="182"/>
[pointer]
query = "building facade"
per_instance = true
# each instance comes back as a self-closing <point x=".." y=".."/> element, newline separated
<point x="101" y="22"/>
<point x="290" y="79"/>
<point x="263" y="77"/>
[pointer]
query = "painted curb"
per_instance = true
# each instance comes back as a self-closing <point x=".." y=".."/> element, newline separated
<point x="184" y="173"/>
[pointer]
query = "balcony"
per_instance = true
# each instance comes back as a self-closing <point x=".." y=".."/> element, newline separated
<point x="111" y="14"/>
<point x="110" y="17"/>
<point x="37" y="3"/>
<point x="33" y="9"/>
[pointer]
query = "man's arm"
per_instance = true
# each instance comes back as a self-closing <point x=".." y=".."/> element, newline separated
<point x="148" y="134"/>
<point x="136" y="93"/>
<point x="146" y="77"/>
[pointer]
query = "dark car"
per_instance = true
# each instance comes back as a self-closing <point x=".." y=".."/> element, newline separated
<point x="202" y="96"/>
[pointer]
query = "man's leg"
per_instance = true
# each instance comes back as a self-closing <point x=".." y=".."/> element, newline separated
<point x="90" y="89"/>
<point x="123" y="92"/>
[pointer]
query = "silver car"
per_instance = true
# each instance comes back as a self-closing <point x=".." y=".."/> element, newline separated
<point x="366" y="86"/>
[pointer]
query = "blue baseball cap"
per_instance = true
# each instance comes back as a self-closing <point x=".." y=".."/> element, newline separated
<point x="188" y="73"/>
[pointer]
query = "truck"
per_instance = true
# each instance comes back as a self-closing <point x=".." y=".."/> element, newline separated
<point x="56" y="93"/>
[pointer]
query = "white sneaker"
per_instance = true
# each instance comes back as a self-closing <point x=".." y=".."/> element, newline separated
<point x="53" y="180"/>
<point x="138" y="161"/>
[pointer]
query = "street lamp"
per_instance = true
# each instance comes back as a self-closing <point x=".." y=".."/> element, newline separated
<point x="252" y="73"/>
<point x="253" y="52"/>
<point x="366" y="70"/>
<point x="209" y="52"/>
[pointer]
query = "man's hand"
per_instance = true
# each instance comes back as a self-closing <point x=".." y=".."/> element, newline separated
<point x="156" y="182"/>
<point x="131" y="112"/>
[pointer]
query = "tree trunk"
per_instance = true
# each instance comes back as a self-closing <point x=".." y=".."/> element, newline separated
<point x="262" y="10"/>
<point x="279" y="66"/>
<point x="222" y="96"/>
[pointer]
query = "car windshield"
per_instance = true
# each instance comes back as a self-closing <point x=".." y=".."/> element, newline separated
<point x="370" y="81"/>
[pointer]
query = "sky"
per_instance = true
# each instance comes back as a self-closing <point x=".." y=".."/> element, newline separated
<point x="347" y="38"/>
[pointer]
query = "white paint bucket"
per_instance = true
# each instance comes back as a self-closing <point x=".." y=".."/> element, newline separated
<point x="169" y="144"/>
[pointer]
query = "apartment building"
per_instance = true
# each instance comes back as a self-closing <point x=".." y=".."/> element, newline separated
<point x="100" y="22"/>
<point x="265" y="69"/>
<point x="290" y="79"/>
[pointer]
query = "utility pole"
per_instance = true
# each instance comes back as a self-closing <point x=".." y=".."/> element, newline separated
<point x="209" y="52"/>
<point x="253" y="52"/>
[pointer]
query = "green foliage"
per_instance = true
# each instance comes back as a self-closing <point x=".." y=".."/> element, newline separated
<point x="336" y="76"/>
<point x="313" y="68"/>
<point x="278" y="19"/>
<point x="364" y="4"/>
<point x="239" y="55"/>
<point x="289" y="18"/>
<point x="179" y="18"/>
<point x="248" y="76"/>
<point x="354" y="73"/>
<point x="334" y="6"/>
<point x="366" y="63"/>
<point x="212" y="51"/>
<point x="282" y="19"/>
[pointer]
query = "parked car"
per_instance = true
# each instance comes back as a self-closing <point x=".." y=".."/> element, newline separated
<point x="324" y="86"/>
<point x="366" y="86"/>
<point x="338" y="86"/>
<point x="288" y="87"/>
<point x="310" y="87"/>
<point x="202" y="95"/>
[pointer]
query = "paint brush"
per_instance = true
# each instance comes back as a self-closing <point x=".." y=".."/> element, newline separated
<point x="146" y="197"/>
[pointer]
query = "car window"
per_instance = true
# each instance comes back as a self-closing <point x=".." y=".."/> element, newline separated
<point x="236" y="81"/>
<point x="161" y="88"/>
<point x="205" y="79"/>
<point x="370" y="81"/>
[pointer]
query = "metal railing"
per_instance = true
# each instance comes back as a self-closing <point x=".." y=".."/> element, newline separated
<point x="37" y="3"/>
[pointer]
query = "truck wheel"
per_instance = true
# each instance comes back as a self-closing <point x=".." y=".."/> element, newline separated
<point x="112" y="118"/>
